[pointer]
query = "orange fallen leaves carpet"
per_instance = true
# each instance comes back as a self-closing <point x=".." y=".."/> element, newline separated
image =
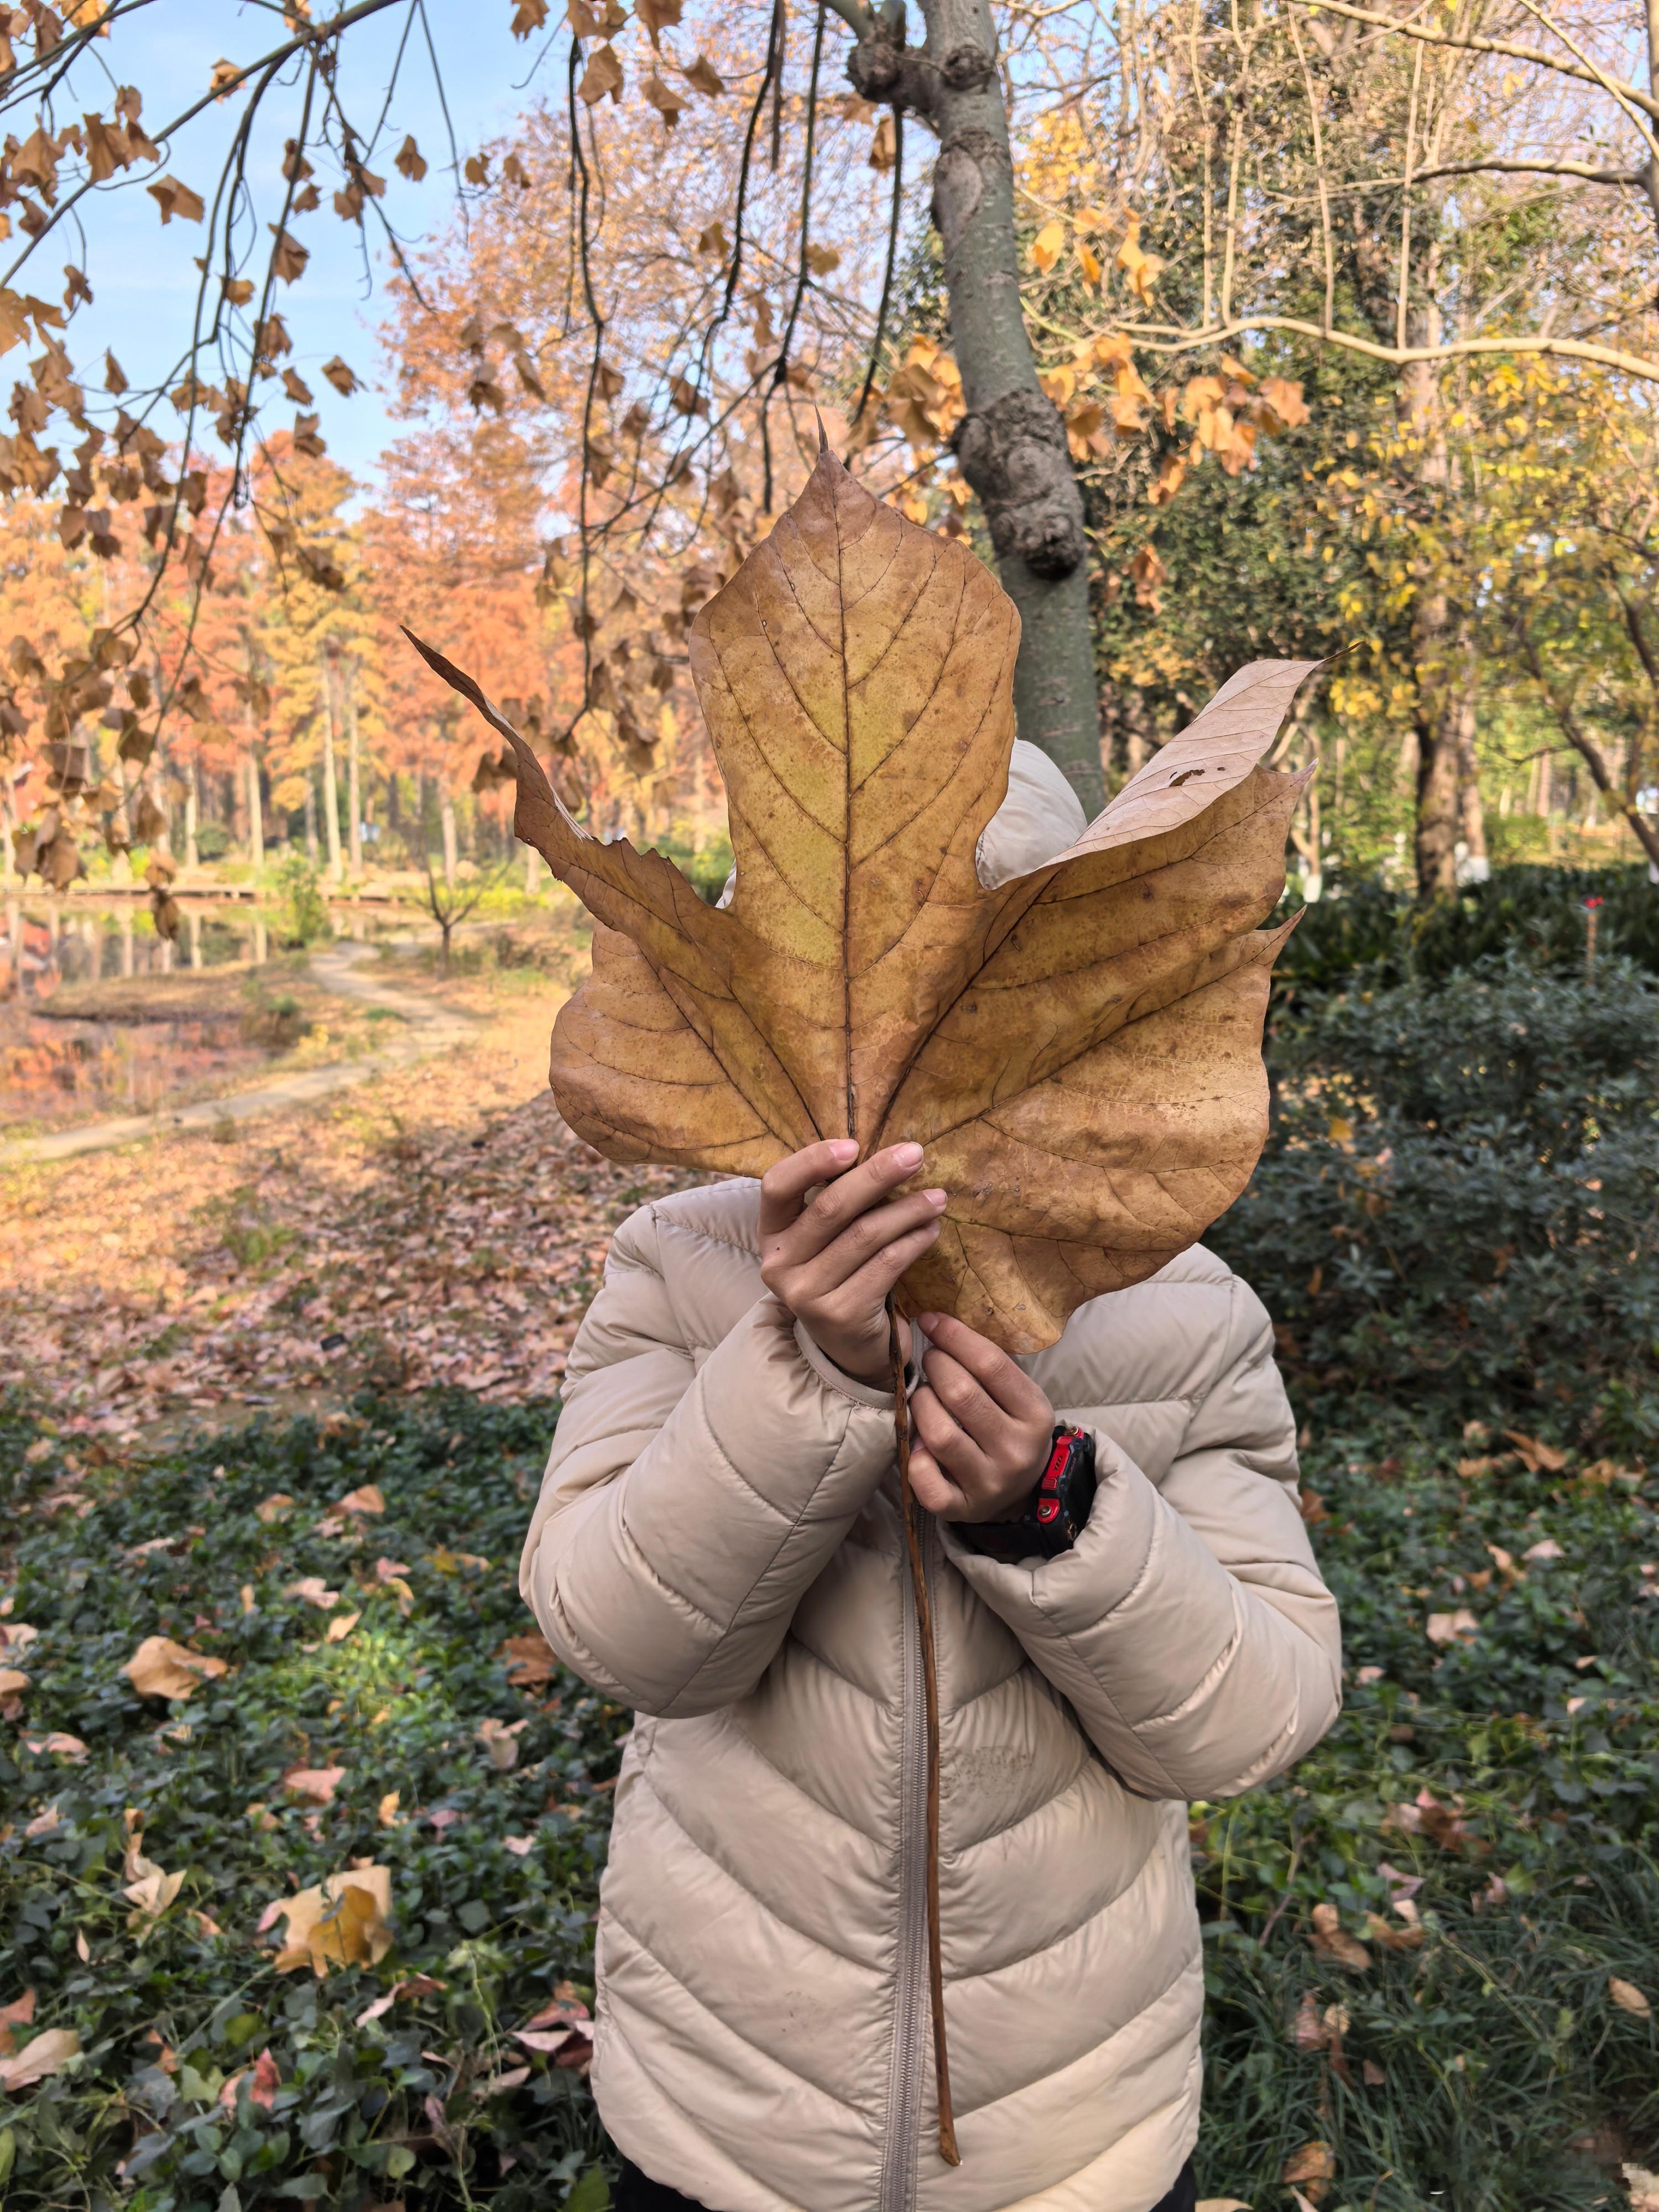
<point x="438" y="1225"/>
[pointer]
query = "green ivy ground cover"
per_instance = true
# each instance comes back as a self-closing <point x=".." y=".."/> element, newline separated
<point x="1489" y="2066"/>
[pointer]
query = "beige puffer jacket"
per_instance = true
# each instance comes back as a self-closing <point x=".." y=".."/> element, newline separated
<point x="718" y="1545"/>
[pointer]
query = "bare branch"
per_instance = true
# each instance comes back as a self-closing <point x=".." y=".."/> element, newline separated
<point x="1581" y="170"/>
<point x="1648" y="103"/>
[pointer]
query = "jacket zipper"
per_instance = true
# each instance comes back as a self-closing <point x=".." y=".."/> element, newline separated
<point x="911" y="2019"/>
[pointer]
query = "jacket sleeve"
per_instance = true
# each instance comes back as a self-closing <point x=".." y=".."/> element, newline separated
<point x="686" y="1509"/>
<point x="1188" y="1626"/>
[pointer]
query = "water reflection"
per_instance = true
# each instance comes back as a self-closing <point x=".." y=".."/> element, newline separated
<point x="72" y="1049"/>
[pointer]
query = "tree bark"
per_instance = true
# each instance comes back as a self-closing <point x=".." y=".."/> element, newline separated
<point x="330" y="781"/>
<point x="354" y="784"/>
<point x="446" y="819"/>
<point x="1011" y="443"/>
<point x="256" y="810"/>
<point x="192" y="800"/>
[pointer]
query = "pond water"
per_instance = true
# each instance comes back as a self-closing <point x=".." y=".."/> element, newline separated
<point x="73" y="1052"/>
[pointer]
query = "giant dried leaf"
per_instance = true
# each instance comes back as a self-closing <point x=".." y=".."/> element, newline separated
<point x="1077" y="1050"/>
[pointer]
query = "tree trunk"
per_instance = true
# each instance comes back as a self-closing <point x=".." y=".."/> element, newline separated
<point x="1437" y="632"/>
<point x="1011" y="445"/>
<point x="311" y="817"/>
<point x="354" y="786"/>
<point x="193" y="801"/>
<point x="1646" y="831"/>
<point x="446" y="818"/>
<point x="256" y="810"/>
<point x="1473" y="866"/>
<point x="330" y="781"/>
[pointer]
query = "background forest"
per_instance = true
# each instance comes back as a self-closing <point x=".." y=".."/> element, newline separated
<point x="1327" y="329"/>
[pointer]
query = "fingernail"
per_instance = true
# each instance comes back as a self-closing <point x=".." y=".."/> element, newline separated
<point x="908" y="1156"/>
<point x="928" y="1322"/>
<point x="935" y="1197"/>
<point x="844" y="1148"/>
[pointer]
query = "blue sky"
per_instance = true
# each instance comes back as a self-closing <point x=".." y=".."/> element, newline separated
<point x="143" y="276"/>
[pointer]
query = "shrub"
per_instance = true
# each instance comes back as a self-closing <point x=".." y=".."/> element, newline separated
<point x="1460" y="1197"/>
<point x="301" y="909"/>
<point x="1373" y="937"/>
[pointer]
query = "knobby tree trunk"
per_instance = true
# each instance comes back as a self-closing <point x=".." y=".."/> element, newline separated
<point x="311" y="819"/>
<point x="1011" y="443"/>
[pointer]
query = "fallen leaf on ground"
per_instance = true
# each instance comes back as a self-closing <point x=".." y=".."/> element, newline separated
<point x="341" y="1626"/>
<point x="48" y="2053"/>
<point x="1314" y="2162"/>
<point x="500" y="1740"/>
<point x="521" y="1846"/>
<point x="1628" y="1997"/>
<point x="1644" y="2188"/>
<point x="314" y="1590"/>
<point x="274" y="1507"/>
<point x="314" y="1785"/>
<point x="151" y="1894"/>
<point x="341" y="1921"/>
<point x="1459" y="1627"/>
<point x="531" y="1659"/>
<point x="161" y="1668"/>
<point x="368" y="1499"/>
<point x="1329" y="1938"/>
<point x="18" y="2014"/>
<point x="59" y="1746"/>
<point x="1536" y="1456"/>
<point x="13" y="1682"/>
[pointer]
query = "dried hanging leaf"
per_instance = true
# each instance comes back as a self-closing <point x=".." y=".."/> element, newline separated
<point x="409" y="162"/>
<point x="176" y="199"/>
<point x="603" y="75"/>
<point x="1078" y="1050"/>
<point x="341" y="376"/>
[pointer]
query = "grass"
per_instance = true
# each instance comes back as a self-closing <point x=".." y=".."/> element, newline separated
<point x="1472" y="2057"/>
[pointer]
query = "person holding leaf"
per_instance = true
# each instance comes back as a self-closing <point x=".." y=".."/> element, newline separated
<point x="923" y="1486"/>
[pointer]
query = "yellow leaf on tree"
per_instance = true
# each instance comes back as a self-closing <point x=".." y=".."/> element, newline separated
<point x="161" y="1668"/>
<point x="1077" y="1050"/>
<point x="1047" y="245"/>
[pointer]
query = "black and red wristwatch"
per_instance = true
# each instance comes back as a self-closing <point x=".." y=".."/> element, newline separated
<point x="1055" y="1512"/>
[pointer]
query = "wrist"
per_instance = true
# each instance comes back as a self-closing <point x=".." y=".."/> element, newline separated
<point x="858" y="1358"/>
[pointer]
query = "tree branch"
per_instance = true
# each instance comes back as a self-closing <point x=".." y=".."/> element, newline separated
<point x="1646" y="102"/>
<point x="1581" y="170"/>
<point x="1585" y="745"/>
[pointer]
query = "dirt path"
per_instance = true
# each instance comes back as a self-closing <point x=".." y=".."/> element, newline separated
<point x="431" y="1026"/>
<point x="435" y="1223"/>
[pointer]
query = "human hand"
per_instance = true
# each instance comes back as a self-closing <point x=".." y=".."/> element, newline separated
<point x="832" y="1262"/>
<point x="982" y="1427"/>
